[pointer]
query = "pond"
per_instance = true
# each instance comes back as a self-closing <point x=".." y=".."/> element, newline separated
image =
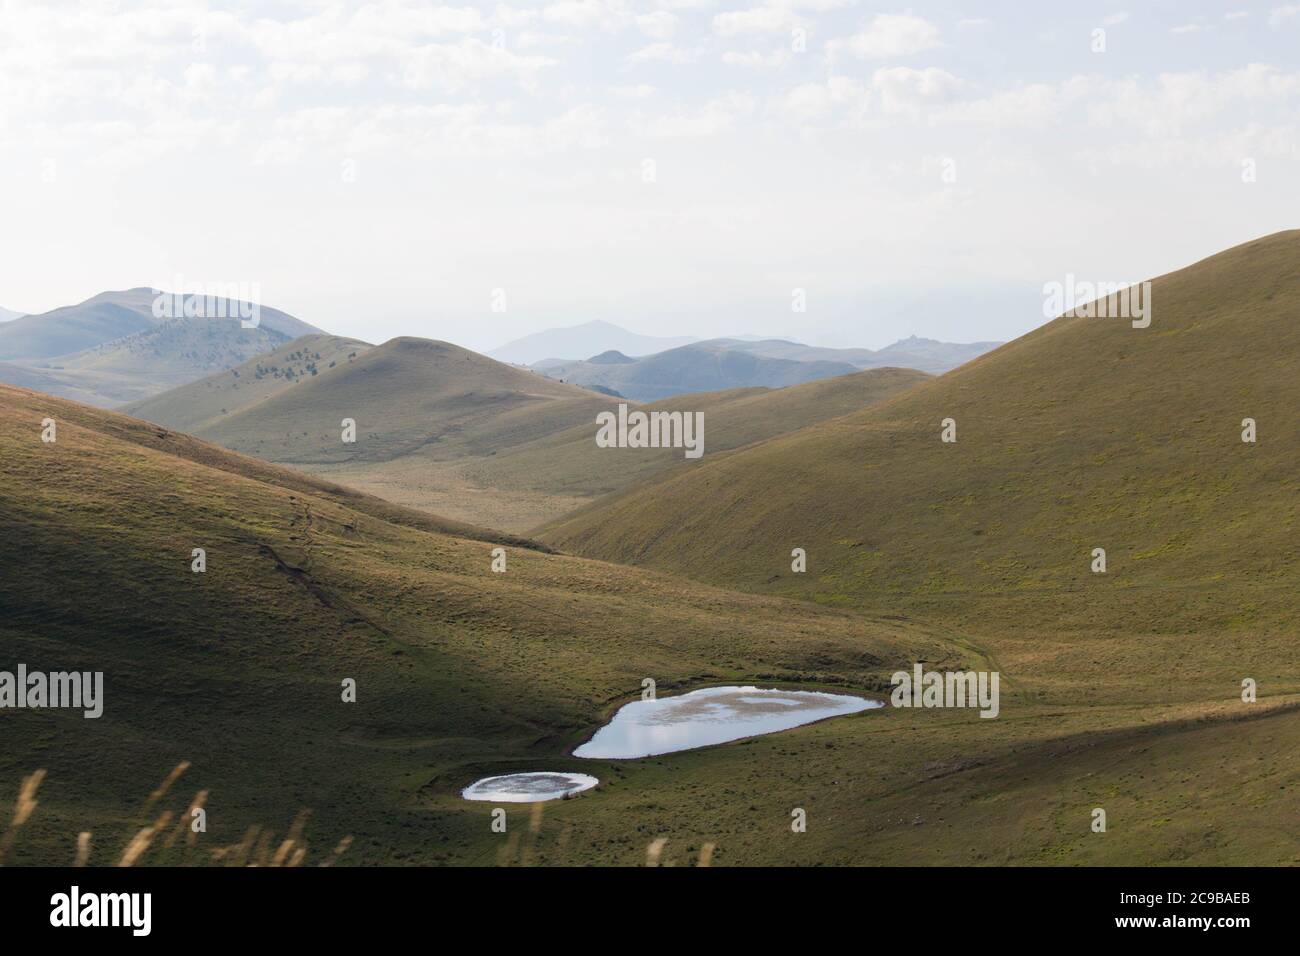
<point x="713" y="715"/>
<point x="528" y="787"/>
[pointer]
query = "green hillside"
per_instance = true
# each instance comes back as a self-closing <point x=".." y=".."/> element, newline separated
<point x="570" y="466"/>
<point x="405" y="395"/>
<point x="448" y="430"/>
<point x="1087" y="433"/>
<point x="460" y="671"/>
<point x="1120" y="690"/>
<point x="192" y="407"/>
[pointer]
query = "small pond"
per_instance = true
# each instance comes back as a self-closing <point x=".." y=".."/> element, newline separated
<point x="713" y="715"/>
<point x="528" y="787"/>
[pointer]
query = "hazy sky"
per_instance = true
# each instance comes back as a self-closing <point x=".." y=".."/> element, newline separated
<point x="676" y="167"/>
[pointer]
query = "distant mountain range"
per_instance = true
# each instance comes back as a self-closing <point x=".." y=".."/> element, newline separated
<point x="580" y="341"/>
<point x="741" y="363"/>
<point x="112" y="348"/>
<point x="924" y="355"/>
<point x="7" y="316"/>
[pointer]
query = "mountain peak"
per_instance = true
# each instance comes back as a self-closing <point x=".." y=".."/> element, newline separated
<point x="610" y="357"/>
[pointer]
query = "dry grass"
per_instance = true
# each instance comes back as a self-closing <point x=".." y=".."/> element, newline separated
<point x="254" y="850"/>
<point x="24" y="807"/>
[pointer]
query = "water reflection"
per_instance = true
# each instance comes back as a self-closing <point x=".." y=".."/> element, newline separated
<point x="713" y="715"/>
<point x="528" y="787"/>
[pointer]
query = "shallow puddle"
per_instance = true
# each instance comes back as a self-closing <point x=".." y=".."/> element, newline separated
<point x="528" y="787"/>
<point x="713" y="715"/>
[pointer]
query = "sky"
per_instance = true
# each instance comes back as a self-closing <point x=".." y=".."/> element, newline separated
<point x="678" y="167"/>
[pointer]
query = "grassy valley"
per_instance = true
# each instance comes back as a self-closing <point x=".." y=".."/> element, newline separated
<point x="447" y="430"/>
<point x="1119" y="690"/>
<point x="238" y="669"/>
<point x="462" y="672"/>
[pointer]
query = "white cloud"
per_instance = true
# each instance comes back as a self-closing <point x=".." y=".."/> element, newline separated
<point x="454" y="66"/>
<point x="641" y="91"/>
<point x="564" y="98"/>
<point x="715" y="116"/>
<point x="757" y="20"/>
<point x="752" y="58"/>
<point x="662" y="53"/>
<point x="904" y="90"/>
<point x="659" y="25"/>
<point x="588" y="14"/>
<point x="890" y="35"/>
<point x="1278" y="15"/>
<point x="822" y="101"/>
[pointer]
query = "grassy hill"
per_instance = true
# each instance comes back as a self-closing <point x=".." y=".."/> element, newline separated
<point x="406" y="395"/>
<point x="192" y="407"/>
<point x="460" y="671"/>
<point x="1087" y="433"/>
<point x="570" y="469"/>
<point x="447" y="430"/>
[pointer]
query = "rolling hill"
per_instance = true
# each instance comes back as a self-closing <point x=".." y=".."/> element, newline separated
<point x="445" y="429"/>
<point x="1086" y="433"/>
<point x="7" y="315"/>
<point x="198" y="404"/>
<point x="459" y="671"/>
<point x="569" y="469"/>
<point x="462" y="673"/>
<point x="406" y="395"/>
